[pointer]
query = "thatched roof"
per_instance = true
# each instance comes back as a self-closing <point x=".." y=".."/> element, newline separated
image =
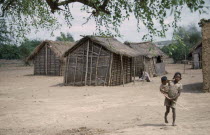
<point x="109" y="43"/>
<point x="58" y="47"/>
<point x="147" y="49"/>
<point x="199" y="44"/>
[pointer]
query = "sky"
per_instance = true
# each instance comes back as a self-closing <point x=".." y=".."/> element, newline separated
<point x="128" y="29"/>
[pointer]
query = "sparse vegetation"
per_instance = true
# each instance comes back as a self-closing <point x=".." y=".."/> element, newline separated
<point x="185" y="38"/>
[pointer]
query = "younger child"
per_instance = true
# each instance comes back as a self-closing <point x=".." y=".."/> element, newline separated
<point x="171" y="91"/>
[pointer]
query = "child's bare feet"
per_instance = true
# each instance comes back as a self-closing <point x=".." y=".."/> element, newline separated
<point x="166" y="121"/>
<point x="173" y="124"/>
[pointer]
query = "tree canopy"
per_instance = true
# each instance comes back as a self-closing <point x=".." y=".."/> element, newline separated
<point x="10" y="51"/>
<point x="26" y="47"/>
<point x="65" y="37"/>
<point x="4" y="34"/>
<point x="184" y="38"/>
<point x="22" y="14"/>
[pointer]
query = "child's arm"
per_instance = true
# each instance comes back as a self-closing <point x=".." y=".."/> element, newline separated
<point x="166" y="95"/>
<point x="179" y="92"/>
<point x="162" y="90"/>
<point x="168" y="81"/>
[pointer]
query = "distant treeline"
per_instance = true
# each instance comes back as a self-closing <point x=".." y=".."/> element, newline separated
<point x="185" y="38"/>
<point x="11" y="51"/>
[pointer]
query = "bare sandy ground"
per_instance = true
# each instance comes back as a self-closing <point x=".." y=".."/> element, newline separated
<point x="41" y="105"/>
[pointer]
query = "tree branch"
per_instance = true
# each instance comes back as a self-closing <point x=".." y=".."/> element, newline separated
<point x="104" y="4"/>
<point x="88" y="3"/>
<point x="53" y="5"/>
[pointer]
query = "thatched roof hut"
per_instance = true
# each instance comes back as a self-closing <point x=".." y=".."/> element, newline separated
<point x="99" y="61"/>
<point x="149" y="58"/>
<point x="196" y="55"/>
<point x="47" y="57"/>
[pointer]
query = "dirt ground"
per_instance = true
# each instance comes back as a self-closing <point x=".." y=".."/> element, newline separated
<point x="41" y="105"/>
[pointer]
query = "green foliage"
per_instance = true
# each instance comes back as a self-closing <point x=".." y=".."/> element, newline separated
<point x="65" y="37"/>
<point x="22" y="15"/>
<point x="9" y="52"/>
<point x="21" y="52"/>
<point x="175" y="51"/>
<point x="108" y="14"/>
<point x="27" y="47"/>
<point x="4" y="34"/>
<point x="184" y="39"/>
<point x="190" y="35"/>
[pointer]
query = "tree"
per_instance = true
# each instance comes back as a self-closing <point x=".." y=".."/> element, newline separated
<point x="190" y="35"/>
<point x="106" y="13"/>
<point x="184" y="39"/>
<point x="4" y="34"/>
<point x="65" y="37"/>
<point x="9" y="52"/>
<point x="26" y="47"/>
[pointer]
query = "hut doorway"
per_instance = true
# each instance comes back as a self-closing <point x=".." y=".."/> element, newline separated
<point x="159" y="60"/>
<point x="196" y="60"/>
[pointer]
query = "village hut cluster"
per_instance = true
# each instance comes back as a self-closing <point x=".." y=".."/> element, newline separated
<point x="47" y="57"/>
<point x="149" y="59"/>
<point x="97" y="61"/>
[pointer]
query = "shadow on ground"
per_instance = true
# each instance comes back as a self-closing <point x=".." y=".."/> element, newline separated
<point x="29" y="75"/>
<point x="58" y="85"/>
<point x="193" y="88"/>
<point x="152" y="125"/>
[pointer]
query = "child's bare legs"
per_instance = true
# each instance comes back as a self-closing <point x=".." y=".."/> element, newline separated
<point x="174" y="116"/>
<point x="166" y="113"/>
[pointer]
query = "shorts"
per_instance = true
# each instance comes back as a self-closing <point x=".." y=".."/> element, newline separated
<point x="170" y="103"/>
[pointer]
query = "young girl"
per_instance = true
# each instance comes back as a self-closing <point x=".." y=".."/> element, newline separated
<point x="172" y="93"/>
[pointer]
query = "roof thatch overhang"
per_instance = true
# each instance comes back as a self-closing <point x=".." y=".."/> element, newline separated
<point x="108" y="43"/>
<point x="58" y="47"/>
<point x="147" y="49"/>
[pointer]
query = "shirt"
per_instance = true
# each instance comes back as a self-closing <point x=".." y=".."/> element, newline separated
<point x="174" y="89"/>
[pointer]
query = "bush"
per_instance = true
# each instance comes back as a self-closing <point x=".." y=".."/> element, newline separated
<point x="9" y="52"/>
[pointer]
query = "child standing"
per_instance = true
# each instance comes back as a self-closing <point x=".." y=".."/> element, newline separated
<point x="171" y="90"/>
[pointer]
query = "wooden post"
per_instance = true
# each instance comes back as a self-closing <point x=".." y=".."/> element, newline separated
<point x="67" y="70"/>
<point x="154" y="66"/>
<point x="134" y="73"/>
<point x="46" y="59"/>
<point x="96" y="77"/>
<point x="60" y="66"/>
<point x="122" y="73"/>
<point x="91" y="65"/>
<point x="82" y="64"/>
<point x="87" y="55"/>
<point x="110" y="69"/>
<point x="75" y="70"/>
<point x="105" y="79"/>
<point x="144" y="66"/>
